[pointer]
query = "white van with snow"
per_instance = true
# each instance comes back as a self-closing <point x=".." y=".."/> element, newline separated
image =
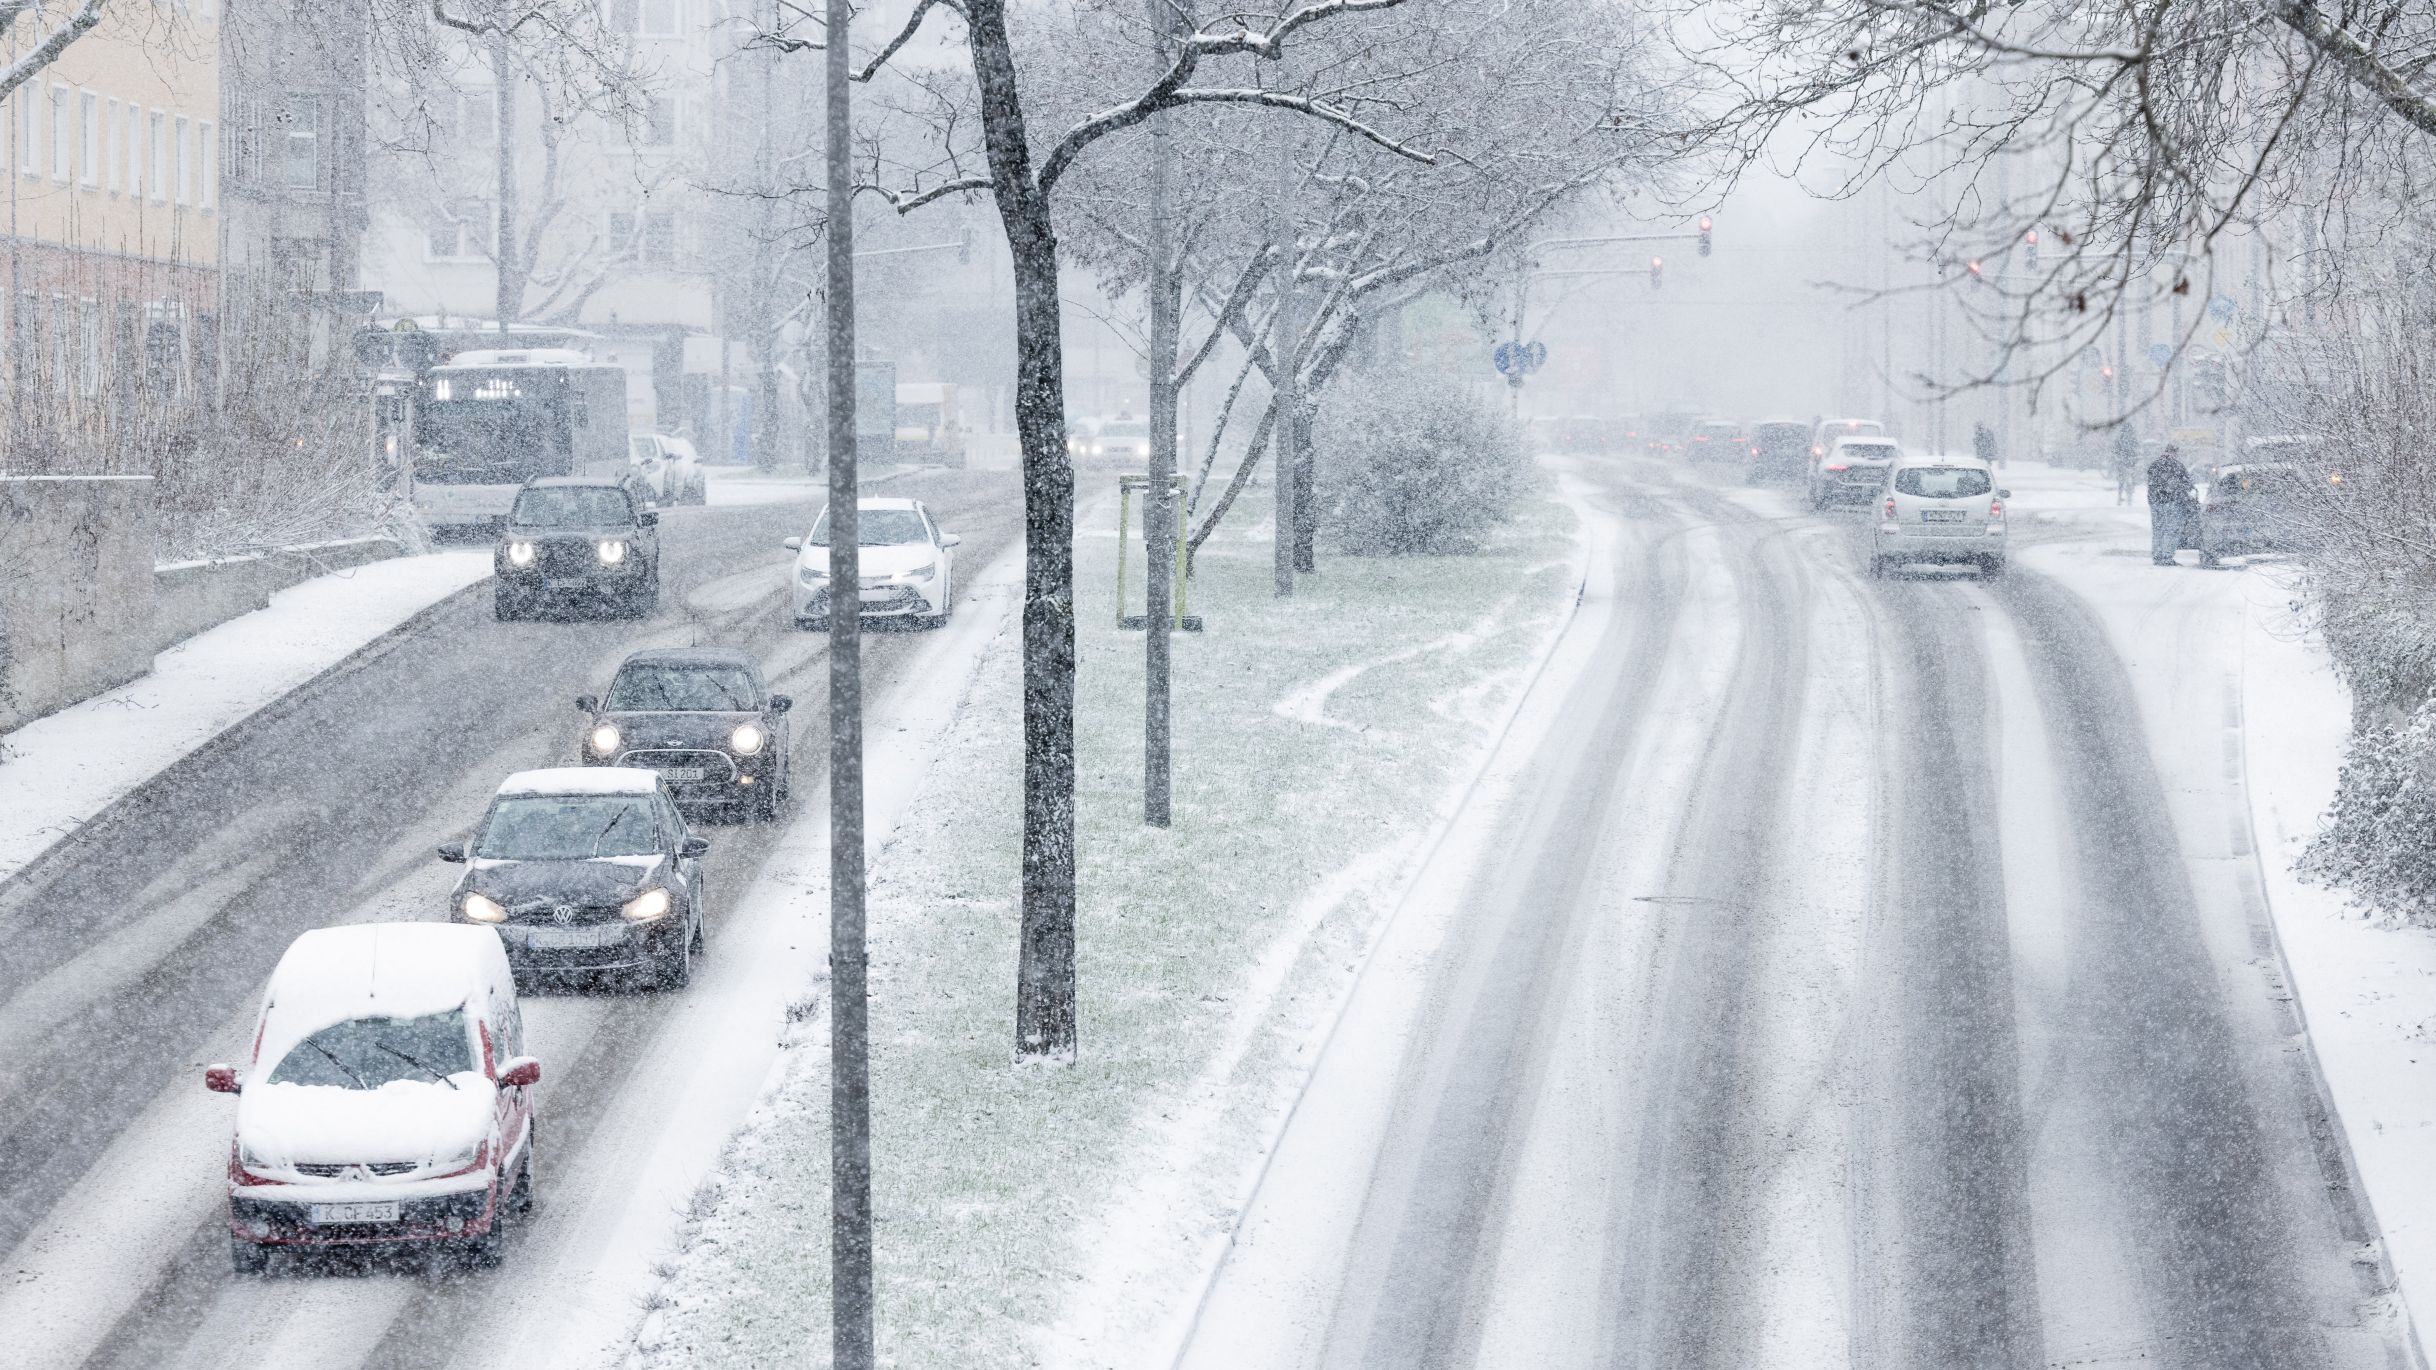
<point x="389" y="1099"/>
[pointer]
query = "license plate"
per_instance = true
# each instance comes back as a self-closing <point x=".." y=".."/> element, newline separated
<point x="324" y="1214"/>
<point x="562" y="583"/>
<point x="559" y="938"/>
<point x="684" y="772"/>
<point x="1942" y="515"/>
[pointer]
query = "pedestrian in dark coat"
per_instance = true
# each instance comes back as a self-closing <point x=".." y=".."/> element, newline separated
<point x="1983" y="443"/>
<point x="2171" y="503"/>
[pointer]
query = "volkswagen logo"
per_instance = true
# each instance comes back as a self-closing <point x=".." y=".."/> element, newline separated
<point x="563" y="914"/>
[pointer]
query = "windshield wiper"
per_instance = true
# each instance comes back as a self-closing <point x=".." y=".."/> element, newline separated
<point x="607" y="828"/>
<point x="332" y="1058"/>
<point x="384" y="1046"/>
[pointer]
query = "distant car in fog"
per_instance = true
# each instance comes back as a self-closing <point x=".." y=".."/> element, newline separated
<point x="2248" y="509"/>
<point x="1945" y="510"/>
<point x="1852" y="470"/>
<point x="1715" y="440"/>
<point x="1666" y="433"/>
<point x="1828" y="430"/>
<point x="668" y="467"/>
<point x="1122" y="439"/>
<point x="1780" y="450"/>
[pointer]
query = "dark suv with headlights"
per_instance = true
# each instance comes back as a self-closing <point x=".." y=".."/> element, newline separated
<point x="703" y="719"/>
<point x="577" y="539"/>
<point x="585" y="871"/>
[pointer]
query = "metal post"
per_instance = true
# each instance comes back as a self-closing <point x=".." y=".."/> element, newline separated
<point x="850" y="1256"/>
<point x="1159" y="497"/>
<point x="1282" y="343"/>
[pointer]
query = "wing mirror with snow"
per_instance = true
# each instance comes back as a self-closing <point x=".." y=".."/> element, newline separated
<point x="220" y="1079"/>
<point x="520" y="1070"/>
<point x="453" y="852"/>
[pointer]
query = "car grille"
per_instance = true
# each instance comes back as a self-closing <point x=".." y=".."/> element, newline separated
<point x="714" y="765"/>
<point x="328" y="1172"/>
<point x="567" y="558"/>
<point x="544" y="912"/>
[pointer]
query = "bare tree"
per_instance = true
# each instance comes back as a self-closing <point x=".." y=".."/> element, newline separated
<point x="46" y="31"/>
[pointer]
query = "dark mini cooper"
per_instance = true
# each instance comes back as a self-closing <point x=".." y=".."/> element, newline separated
<point x="585" y="871"/>
<point x="703" y="719"/>
<point x="577" y="539"/>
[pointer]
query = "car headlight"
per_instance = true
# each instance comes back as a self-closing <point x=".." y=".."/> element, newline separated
<point x="604" y="739"/>
<point x="521" y="553"/>
<point x="920" y="574"/>
<point x="812" y="575"/>
<point x="484" y="909"/>
<point x="612" y="553"/>
<point x="747" y="739"/>
<point x="648" y="905"/>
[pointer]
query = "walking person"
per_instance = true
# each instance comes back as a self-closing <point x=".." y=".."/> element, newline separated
<point x="1983" y="443"/>
<point x="2170" y="505"/>
<point x="2126" y="462"/>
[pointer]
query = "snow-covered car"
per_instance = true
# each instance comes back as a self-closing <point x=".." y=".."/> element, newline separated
<point x="668" y="466"/>
<point x="581" y="539"/>
<point x="908" y="567"/>
<point x="1852" y="472"/>
<point x="1780" y="450"/>
<point x="389" y="1099"/>
<point x="585" y="870"/>
<point x="702" y="718"/>
<point x="1940" y="509"/>
<point x="2248" y="509"/>
<point x="1717" y="440"/>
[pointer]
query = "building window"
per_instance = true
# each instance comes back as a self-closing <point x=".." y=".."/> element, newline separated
<point x="646" y="18"/>
<point x="648" y="237"/>
<point x="110" y="146"/>
<point x="459" y="236"/>
<point x="186" y="161"/>
<point x="131" y="128"/>
<point x="300" y="150"/>
<point x="88" y="138"/>
<point x="208" y="149"/>
<point x="63" y="133"/>
<point x="660" y="121"/>
<point x="160" y="157"/>
<point x="29" y="107"/>
<point x="477" y="120"/>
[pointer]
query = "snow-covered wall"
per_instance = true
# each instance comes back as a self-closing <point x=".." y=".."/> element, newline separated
<point x="195" y="595"/>
<point x="77" y="589"/>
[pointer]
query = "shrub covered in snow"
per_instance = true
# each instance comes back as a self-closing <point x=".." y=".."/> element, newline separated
<point x="2380" y="838"/>
<point x="1412" y="464"/>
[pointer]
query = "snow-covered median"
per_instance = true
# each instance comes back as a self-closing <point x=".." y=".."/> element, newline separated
<point x="1070" y="1216"/>
<point x="59" y="771"/>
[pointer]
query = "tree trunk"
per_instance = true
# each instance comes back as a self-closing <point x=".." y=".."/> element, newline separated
<point x="1159" y="503"/>
<point x="1044" y="983"/>
<point x="509" y="300"/>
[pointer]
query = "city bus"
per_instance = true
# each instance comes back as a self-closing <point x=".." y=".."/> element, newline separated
<point x="490" y="420"/>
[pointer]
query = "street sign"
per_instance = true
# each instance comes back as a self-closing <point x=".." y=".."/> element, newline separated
<point x="2220" y="307"/>
<point x="2159" y="354"/>
<point x="1516" y="360"/>
<point x="1535" y="356"/>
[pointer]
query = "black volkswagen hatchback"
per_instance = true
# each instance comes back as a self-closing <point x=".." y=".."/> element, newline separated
<point x="703" y="719"/>
<point x="585" y="871"/>
<point x="577" y="539"/>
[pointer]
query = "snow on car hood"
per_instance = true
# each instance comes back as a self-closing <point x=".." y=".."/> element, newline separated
<point x="876" y="561"/>
<point x="423" y="1121"/>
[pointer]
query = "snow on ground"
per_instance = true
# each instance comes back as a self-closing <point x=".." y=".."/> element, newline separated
<point x="1070" y="1216"/>
<point x="727" y="486"/>
<point x="2230" y="684"/>
<point x="59" y="771"/>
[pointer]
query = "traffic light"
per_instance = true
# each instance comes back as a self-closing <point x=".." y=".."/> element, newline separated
<point x="1705" y="225"/>
<point x="2030" y="244"/>
<point x="1973" y="268"/>
<point x="1657" y="268"/>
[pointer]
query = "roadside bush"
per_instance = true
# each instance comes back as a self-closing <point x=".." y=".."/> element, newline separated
<point x="2376" y="844"/>
<point x="1411" y="465"/>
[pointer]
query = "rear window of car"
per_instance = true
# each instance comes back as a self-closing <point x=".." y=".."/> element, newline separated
<point x="1942" y="482"/>
<point x="572" y="506"/>
<point x="366" y="1053"/>
<point x="1867" y="451"/>
<point x="684" y="689"/>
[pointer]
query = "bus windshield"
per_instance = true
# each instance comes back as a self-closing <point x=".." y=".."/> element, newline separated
<point x="484" y="428"/>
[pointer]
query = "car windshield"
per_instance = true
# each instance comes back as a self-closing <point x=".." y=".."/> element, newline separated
<point x="366" y="1053"/>
<point x="668" y="688"/>
<point x="1125" y="429"/>
<point x="642" y="448"/>
<point x="567" y="827"/>
<point x="572" y="506"/>
<point x="1942" y="482"/>
<point x="877" y="528"/>
<point x="1866" y="451"/>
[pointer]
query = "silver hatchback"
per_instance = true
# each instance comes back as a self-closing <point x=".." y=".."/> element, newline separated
<point x="1940" y="509"/>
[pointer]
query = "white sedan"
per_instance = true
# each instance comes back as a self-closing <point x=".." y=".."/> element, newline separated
<point x="907" y="566"/>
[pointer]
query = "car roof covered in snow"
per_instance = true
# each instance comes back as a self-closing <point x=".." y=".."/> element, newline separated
<point x="377" y="970"/>
<point x="1939" y="459"/>
<point x="690" y="656"/>
<point x="582" y="780"/>
<point x="561" y="482"/>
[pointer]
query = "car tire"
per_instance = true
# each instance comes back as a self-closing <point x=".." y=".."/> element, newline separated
<point x="813" y="625"/>
<point x="483" y="1252"/>
<point x="507" y="605"/>
<point x="676" y="969"/>
<point x="248" y="1258"/>
<point x="520" y="1198"/>
<point x="765" y="803"/>
<point x="1991" y="568"/>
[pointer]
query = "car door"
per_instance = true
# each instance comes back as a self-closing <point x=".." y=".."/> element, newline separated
<point x="673" y="832"/>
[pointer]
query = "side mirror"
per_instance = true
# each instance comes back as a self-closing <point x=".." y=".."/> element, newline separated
<point x="590" y="704"/>
<point x="950" y="540"/>
<point x="2004" y="494"/>
<point x="520" y="1071"/>
<point x="779" y="704"/>
<point x="793" y="544"/>
<point x="220" y="1079"/>
<point x="694" y="846"/>
<point x="453" y="851"/>
<point x="648" y="519"/>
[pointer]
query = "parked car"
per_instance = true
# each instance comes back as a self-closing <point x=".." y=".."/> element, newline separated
<point x="388" y="1099"/>
<point x="703" y="720"/>
<point x="1123" y="438"/>
<point x="1780" y="450"/>
<point x="577" y="539"/>
<point x="2247" y="509"/>
<point x="1946" y="510"/>
<point x="1852" y="471"/>
<point x="585" y="870"/>
<point x="1716" y="440"/>
<point x="669" y="467"/>
<point x="908" y="565"/>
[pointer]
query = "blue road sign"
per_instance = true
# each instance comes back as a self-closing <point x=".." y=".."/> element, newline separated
<point x="1535" y="356"/>
<point x="2220" y="307"/>
<point x="1516" y="360"/>
<point x="2159" y="354"/>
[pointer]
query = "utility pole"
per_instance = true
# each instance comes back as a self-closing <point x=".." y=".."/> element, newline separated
<point x="508" y="298"/>
<point x="1159" y="502"/>
<point x="850" y="1255"/>
<point x="766" y="435"/>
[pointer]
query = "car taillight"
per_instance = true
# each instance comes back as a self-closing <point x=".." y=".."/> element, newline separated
<point x="1890" y="508"/>
<point x="1996" y="508"/>
<point x="1838" y="468"/>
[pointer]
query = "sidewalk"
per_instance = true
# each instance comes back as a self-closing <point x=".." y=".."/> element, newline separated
<point x="60" y="771"/>
<point x="1069" y="1216"/>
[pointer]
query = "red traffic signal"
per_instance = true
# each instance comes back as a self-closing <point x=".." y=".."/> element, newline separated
<point x="1657" y="266"/>
<point x="2030" y="243"/>
<point x="1705" y="225"/>
<point x="1974" y="270"/>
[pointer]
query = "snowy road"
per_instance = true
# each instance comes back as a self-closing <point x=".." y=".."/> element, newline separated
<point x="135" y="953"/>
<point x="1838" y="982"/>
